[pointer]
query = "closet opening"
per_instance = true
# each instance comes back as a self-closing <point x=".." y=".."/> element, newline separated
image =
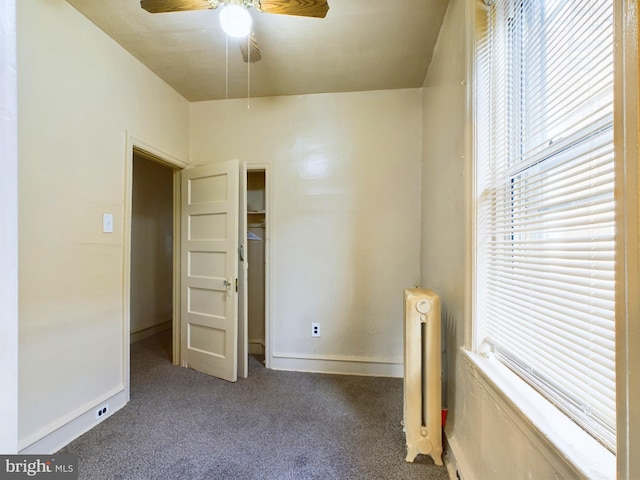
<point x="256" y="259"/>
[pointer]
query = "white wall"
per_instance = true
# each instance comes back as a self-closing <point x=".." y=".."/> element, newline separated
<point x="151" y="246"/>
<point x="345" y="217"/>
<point x="8" y="230"/>
<point x="79" y="92"/>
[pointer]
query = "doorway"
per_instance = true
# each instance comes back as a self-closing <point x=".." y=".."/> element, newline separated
<point x="256" y="281"/>
<point x="168" y="244"/>
<point x="169" y="247"/>
<point x="152" y="250"/>
<point x="259" y="201"/>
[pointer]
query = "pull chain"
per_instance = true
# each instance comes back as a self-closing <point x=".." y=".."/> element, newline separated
<point x="248" y="69"/>
<point x="226" y="70"/>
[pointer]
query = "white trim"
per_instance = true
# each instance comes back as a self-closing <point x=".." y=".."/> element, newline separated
<point x="158" y="155"/>
<point x="177" y="265"/>
<point x="8" y="230"/>
<point x="471" y="7"/>
<point x="559" y="440"/>
<point x="340" y="364"/>
<point x="242" y="344"/>
<point x="628" y="254"/>
<point x="61" y="432"/>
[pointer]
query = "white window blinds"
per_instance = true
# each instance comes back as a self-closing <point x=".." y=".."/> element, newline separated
<point x="545" y="207"/>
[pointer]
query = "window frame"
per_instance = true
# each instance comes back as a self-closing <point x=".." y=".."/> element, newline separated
<point x="531" y="413"/>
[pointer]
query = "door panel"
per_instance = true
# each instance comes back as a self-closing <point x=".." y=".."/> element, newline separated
<point x="210" y="269"/>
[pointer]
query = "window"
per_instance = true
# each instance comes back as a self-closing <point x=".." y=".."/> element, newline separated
<point x="544" y="285"/>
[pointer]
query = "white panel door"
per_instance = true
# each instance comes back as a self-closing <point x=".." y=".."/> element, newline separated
<point x="209" y="320"/>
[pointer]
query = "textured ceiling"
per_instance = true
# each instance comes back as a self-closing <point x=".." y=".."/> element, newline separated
<point x="360" y="45"/>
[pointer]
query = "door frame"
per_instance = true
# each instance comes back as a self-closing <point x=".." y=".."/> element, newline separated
<point x="133" y="144"/>
<point x="267" y="167"/>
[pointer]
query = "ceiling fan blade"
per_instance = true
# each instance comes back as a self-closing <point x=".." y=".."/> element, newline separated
<point x="252" y="53"/>
<point x="162" y="6"/>
<point x="304" y="8"/>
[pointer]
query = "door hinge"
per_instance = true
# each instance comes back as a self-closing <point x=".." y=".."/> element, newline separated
<point x="236" y="284"/>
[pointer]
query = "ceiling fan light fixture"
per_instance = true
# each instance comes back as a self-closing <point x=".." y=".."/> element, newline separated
<point x="235" y="21"/>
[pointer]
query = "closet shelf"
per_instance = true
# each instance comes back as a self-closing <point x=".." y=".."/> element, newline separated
<point x="256" y="212"/>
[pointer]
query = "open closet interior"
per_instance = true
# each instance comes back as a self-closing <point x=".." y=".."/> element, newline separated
<point x="256" y="238"/>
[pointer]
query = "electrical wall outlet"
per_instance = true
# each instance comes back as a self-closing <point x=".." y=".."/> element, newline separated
<point x="102" y="411"/>
<point x="315" y="329"/>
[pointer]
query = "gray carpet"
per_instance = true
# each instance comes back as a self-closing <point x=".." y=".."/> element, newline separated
<point x="181" y="424"/>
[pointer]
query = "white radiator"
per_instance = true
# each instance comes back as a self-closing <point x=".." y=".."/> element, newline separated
<point x="422" y="374"/>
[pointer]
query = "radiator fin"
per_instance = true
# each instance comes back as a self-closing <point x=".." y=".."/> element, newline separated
<point x="422" y="374"/>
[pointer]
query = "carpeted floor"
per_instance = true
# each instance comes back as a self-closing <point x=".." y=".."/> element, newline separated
<point x="181" y="424"/>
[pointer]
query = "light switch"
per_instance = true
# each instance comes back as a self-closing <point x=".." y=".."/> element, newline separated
<point x="107" y="223"/>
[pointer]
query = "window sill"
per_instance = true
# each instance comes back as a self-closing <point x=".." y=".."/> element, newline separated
<point x="540" y="419"/>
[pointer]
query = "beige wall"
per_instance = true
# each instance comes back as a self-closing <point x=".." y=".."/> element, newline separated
<point x="345" y="218"/>
<point x="444" y="222"/>
<point x="151" y="245"/>
<point x="79" y="92"/>
<point x="347" y="178"/>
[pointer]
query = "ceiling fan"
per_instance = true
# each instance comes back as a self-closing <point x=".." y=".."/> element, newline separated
<point x="234" y="16"/>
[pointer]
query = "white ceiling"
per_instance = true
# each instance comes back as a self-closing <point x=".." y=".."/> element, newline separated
<point x="360" y="45"/>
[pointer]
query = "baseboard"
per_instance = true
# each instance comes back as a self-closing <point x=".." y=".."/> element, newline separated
<point x="82" y="421"/>
<point x="256" y="347"/>
<point x="454" y="460"/>
<point x="149" y="331"/>
<point x="339" y="364"/>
